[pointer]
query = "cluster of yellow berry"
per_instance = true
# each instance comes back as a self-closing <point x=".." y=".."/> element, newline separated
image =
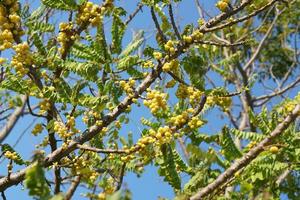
<point x="83" y="167"/>
<point x="195" y="122"/>
<point x="182" y="91"/>
<point x="223" y="5"/>
<point x="223" y="102"/>
<point x="10" y="23"/>
<point x="22" y="58"/>
<point x="193" y="94"/>
<point x="90" y="13"/>
<point x="197" y="35"/>
<point x="44" y="106"/>
<point x="128" y="86"/>
<point x="161" y="136"/>
<point x="11" y="155"/>
<point x="65" y="131"/>
<point x="156" y="101"/>
<point x="251" y="144"/>
<point x="108" y="189"/>
<point x="38" y="128"/>
<point x="66" y="35"/>
<point x="170" y="47"/>
<point x="289" y="105"/>
<point x="188" y="39"/>
<point x="171" y="66"/>
<point x="70" y="121"/>
<point x="148" y="64"/>
<point x="61" y="129"/>
<point x="128" y="158"/>
<point x="88" y="114"/>
<point x="180" y="119"/>
<point x="157" y="55"/>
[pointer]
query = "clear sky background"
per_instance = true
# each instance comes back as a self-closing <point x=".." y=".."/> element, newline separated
<point x="149" y="186"/>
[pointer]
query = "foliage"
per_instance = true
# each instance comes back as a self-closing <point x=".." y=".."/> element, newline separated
<point x="209" y="90"/>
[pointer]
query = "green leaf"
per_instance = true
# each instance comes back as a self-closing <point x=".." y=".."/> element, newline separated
<point x="195" y="68"/>
<point x="16" y="84"/>
<point x="115" y="196"/>
<point x="137" y="41"/>
<point x="117" y="31"/>
<point x="35" y="182"/>
<point x="247" y="135"/>
<point x="168" y="169"/>
<point x="87" y="70"/>
<point x="231" y="152"/>
<point x="127" y="62"/>
<point x="61" y="4"/>
<point x="197" y="181"/>
<point x="38" y="43"/>
<point x="7" y="147"/>
<point x="39" y="27"/>
<point x="57" y="197"/>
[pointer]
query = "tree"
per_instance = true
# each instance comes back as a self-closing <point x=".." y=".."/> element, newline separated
<point x="73" y="72"/>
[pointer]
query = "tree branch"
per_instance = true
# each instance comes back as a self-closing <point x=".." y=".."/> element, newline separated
<point x="235" y="21"/>
<point x="160" y="32"/>
<point x="173" y="22"/>
<point x="93" y="149"/>
<point x="131" y="16"/>
<point x="13" y="118"/>
<point x="255" y="54"/>
<point x="72" y="188"/>
<point x="248" y="157"/>
<point x="269" y="96"/>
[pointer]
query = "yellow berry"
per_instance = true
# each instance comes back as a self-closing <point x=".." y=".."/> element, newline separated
<point x="274" y="149"/>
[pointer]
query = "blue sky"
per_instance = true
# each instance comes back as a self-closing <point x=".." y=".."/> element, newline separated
<point x="150" y="185"/>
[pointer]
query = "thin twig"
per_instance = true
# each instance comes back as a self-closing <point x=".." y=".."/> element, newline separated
<point x="93" y="149"/>
<point x="173" y="22"/>
<point x="221" y="44"/>
<point x="120" y="178"/>
<point x="31" y="112"/>
<point x="269" y="96"/>
<point x="259" y="47"/>
<point x="72" y="188"/>
<point x="131" y="16"/>
<point x="3" y="196"/>
<point x="235" y="21"/>
<point x="13" y="118"/>
<point x="160" y="32"/>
